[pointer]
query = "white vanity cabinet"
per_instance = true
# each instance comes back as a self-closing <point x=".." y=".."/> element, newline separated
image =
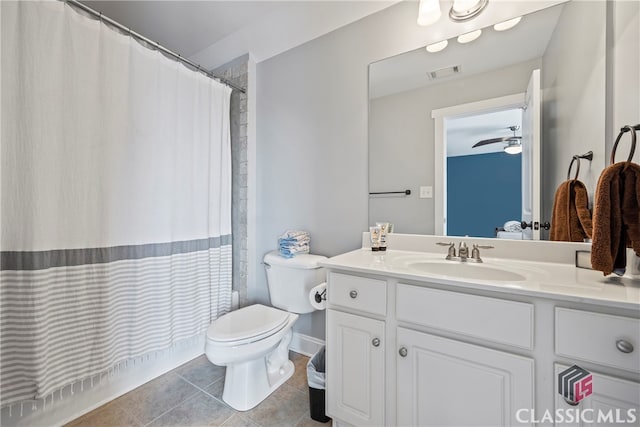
<point x="416" y="353"/>
<point x="602" y="341"/>
<point x="355" y="360"/>
<point x="355" y="369"/>
<point x="444" y="382"/>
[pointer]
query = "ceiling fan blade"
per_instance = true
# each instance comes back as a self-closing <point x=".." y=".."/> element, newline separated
<point x="495" y="140"/>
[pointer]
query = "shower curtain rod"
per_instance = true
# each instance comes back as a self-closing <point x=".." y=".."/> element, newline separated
<point x="157" y="45"/>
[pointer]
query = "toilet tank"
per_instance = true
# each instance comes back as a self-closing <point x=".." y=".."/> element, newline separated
<point x="290" y="280"/>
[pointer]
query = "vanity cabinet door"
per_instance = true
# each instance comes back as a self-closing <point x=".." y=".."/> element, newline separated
<point x="355" y="369"/>
<point x="443" y="382"/>
<point x="614" y="401"/>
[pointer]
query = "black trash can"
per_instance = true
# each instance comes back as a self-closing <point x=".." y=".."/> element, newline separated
<point x="316" y="379"/>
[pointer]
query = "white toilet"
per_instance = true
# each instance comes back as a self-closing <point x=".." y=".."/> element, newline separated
<point x="253" y="342"/>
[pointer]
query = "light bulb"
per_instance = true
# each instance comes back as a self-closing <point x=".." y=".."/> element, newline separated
<point x="469" y="37"/>
<point x="437" y="47"/>
<point x="428" y="12"/>
<point x="507" y="25"/>
<point x="513" y="148"/>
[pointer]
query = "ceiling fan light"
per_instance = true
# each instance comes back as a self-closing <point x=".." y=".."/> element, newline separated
<point x="514" y="147"/>
<point x="469" y="37"/>
<point x="507" y="25"/>
<point x="437" y="47"/>
<point x="428" y="12"/>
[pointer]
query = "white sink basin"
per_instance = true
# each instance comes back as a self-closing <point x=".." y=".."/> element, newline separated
<point x="466" y="270"/>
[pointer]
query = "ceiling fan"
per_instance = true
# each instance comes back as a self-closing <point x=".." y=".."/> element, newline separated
<point x="513" y="143"/>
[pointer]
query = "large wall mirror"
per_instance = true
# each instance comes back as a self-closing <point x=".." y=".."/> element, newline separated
<point x="433" y="117"/>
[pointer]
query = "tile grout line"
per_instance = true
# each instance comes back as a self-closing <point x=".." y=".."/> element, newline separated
<point x="195" y="393"/>
<point x="205" y="391"/>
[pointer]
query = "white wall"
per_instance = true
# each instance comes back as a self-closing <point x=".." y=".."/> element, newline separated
<point x="573" y="83"/>
<point x="312" y="131"/>
<point x="401" y="139"/>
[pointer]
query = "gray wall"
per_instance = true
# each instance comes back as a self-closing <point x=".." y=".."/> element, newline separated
<point x="573" y="110"/>
<point x="312" y="132"/>
<point x="237" y="73"/>
<point x="623" y="68"/>
<point x="401" y="141"/>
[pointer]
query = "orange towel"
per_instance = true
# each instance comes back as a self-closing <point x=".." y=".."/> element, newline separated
<point x="571" y="218"/>
<point x="616" y="219"/>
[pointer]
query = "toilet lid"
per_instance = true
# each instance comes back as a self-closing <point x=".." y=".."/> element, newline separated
<point x="246" y="323"/>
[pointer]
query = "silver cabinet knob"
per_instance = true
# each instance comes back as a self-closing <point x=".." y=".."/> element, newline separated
<point x="376" y="342"/>
<point x="353" y="294"/>
<point x="624" y="346"/>
<point x="570" y="402"/>
<point x="403" y="351"/>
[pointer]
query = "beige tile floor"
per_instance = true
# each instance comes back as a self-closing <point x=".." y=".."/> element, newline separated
<point x="191" y="395"/>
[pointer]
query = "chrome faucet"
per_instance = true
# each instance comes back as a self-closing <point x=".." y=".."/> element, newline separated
<point x="463" y="251"/>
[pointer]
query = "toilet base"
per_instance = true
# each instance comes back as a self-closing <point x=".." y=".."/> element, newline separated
<point x="247" y="384"/>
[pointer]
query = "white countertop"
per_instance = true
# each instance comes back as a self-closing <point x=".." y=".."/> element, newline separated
<point x="541" y="279"/>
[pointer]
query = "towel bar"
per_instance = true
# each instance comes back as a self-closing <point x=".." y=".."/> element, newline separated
<point x="632" y="130"/>
<point x="588" y="155"/>
<point x="405" y="192"/>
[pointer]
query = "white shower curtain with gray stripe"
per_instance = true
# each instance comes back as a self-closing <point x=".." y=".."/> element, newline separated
<point x="116" y="199"/>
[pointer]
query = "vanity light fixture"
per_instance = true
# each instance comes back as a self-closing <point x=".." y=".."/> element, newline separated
<point x="513" y="147"/>
<point x="464" y="10"/>
<point x="428" y="12"/>
<point x="469" y="37"/>
<point x="507" y="25"/>
<point x="437" y="47"/>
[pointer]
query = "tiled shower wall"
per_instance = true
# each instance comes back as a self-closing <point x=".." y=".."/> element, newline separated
<point x="236" y="73"/>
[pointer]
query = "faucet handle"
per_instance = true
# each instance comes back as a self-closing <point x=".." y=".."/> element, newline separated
<point x="452" y="249"/>
<point x="475" y="252"/>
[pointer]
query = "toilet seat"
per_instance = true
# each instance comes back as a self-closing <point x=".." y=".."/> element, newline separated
<point x="247" y="325"/>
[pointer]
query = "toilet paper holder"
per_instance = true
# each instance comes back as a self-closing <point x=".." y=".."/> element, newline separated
<point x="321" y="296"/>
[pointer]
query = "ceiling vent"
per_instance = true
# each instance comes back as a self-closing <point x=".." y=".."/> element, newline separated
<point x="443" y="72"/>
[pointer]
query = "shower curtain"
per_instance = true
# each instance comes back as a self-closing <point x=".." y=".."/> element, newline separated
<point x="116" y="200"/>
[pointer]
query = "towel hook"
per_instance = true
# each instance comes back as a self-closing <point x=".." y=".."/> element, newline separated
<point x="588" y="155"/>
<point x="625" y="129"/>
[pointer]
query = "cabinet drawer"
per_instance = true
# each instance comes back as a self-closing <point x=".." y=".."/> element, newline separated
<point x="360" y="293"/>
<point x="500" y="321"/>
<point x="595" y="338"/>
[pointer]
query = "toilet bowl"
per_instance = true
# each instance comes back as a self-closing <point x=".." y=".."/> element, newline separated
<point x="253" y="343"/>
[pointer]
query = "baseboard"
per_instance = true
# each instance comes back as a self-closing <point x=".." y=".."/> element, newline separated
<point x="305" y="344"/>
<point x="71" y="406"/>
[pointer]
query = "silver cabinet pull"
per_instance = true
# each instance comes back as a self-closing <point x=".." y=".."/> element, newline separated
<point x="353" y="294"/>
<point x="376" y="342"/>
<point x="624" y="346"/>
<point x="403" y="352"/>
